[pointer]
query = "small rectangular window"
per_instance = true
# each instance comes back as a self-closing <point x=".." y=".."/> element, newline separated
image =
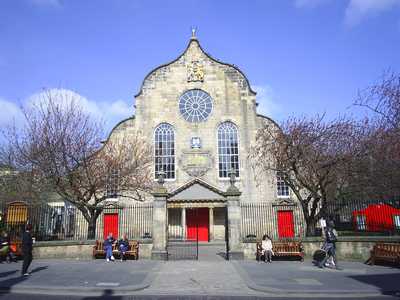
<point x="361" y="223"/>
<point x="396" y="222"/>
<point x="282" y="186"/>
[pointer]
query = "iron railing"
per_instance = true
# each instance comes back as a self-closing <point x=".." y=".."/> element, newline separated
<point x="65" y="222"/>
<point x="350" y="217"/>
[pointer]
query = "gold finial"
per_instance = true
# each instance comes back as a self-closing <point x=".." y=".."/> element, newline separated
<point x="194" y="33"/>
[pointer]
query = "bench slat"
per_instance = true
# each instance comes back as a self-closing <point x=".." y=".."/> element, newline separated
<point x="133" y="249"/>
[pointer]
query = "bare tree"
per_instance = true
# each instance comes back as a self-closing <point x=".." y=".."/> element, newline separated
<point x="62" y="145"/>
<point x="383" y="99"/>
<point x="312" y="155"/>
<point x="380" y="172"/>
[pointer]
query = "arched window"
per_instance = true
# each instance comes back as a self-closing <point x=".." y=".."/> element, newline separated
<point x="164" y="147"/>
<point x="228" y="149"/>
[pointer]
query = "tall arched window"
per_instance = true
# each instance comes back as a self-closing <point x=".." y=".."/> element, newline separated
<point x="228" y="150"/>
<point x="164" y="148"/>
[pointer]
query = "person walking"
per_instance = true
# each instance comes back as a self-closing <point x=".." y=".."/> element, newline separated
<point x="27" y="245"/>
<point x="330" y="246"/>
<point x="266" y="246"/>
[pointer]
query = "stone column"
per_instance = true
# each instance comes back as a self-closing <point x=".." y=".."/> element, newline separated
<point x="183" y="222"/>
<point x="234" y="223"/>
<point x="159" y="251"/>
<point x="211" y="222"/>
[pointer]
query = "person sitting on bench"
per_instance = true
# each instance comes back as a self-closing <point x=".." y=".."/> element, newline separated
<point x="123" y="246"/>
<point x="266" y="246"/>
<point x="108" y="245"/>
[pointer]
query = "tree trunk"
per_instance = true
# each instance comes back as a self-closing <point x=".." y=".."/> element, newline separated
<point x="310" y="226"/>
<point x="92" y="227"/>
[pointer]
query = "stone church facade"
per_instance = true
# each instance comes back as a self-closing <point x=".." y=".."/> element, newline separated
<point x="200" y="114"/>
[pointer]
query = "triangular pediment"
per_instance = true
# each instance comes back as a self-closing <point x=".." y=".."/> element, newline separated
<point x="284" y="202"/>
<point x="197" y="190"/>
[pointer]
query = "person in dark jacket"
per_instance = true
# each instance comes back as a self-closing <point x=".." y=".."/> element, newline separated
<point x="27" y="245"/>
<point x="108" y="245"/>
<point x="123" y="246"/>
<point x="329" y="245"/>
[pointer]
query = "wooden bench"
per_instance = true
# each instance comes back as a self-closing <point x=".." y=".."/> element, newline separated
<point x="283" y="249"/>
<point x="388" y="252"/>
<point x="133" y="250"/>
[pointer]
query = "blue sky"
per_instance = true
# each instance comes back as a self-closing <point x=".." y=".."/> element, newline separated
<point x="303" y="56"/>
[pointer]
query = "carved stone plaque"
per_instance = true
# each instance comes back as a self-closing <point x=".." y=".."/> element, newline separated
<point x="195" y="71"/>
<point x="196" y="162"/>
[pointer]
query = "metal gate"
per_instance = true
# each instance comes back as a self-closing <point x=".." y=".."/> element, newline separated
<point x="179" y="246"/>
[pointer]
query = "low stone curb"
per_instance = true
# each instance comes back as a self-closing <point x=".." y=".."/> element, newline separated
<point x="63" y="290"/>
<point x="313" y="293"/>
<point x="46" y="290"/>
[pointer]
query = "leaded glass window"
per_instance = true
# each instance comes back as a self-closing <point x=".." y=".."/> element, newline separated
<point x="228" y="149"/>
<point x="195" y="105"/>
<point x="281" y="185"/>
<point x="164" y="147"/>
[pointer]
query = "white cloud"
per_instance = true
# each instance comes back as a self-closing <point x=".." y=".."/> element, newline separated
<point x="266" y="98"/>
<point x="66" y="96"/>
<point x="109" y="112"/>
<point x="118" y="108"/>
<point x="10" y="113"/>
<point x="357" y="10"/>
<point x="309" y="3"/>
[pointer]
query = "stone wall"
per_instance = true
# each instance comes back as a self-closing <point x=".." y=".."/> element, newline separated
<point x="63" y="249"/>
<point x="346" y="248"/>
<point x="233" y="100"/>
<point x="79" y="250"/>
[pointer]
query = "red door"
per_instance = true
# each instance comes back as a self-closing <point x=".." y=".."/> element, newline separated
<point x="110" y="225"/>
<point x="197" y="223"/>
<point x="285" y="224"/>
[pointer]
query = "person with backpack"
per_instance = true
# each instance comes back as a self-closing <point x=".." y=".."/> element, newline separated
<point x="27" y="245"/>
<point x="329" y="245"/>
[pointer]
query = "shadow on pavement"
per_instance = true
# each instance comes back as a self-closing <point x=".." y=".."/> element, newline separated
<point x="387" y="283"/>
<point x="6" y="285"/>
<point x="107" y="294"/>
<point x="38" y="269"/>
<point x="5" y="274"/>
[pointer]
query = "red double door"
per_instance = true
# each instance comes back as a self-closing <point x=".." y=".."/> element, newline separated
<point x="285" y="224"/>
<point x="110" y="225"/>
<point x="197" y="223"/>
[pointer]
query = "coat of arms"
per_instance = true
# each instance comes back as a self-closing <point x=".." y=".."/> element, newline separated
<point x="196" y="162"/>
<point x="195" y="71"/>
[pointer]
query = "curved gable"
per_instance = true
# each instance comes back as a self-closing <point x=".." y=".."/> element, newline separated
<point x="232" y="71"/>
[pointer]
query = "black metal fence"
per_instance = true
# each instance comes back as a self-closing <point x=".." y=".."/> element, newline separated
<point x="365" y="217"/>
<point x="351" y="217"/>
<point x="277" y="221"/>
<point x="180" y="246"/>
<point x="59" y="221"/>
